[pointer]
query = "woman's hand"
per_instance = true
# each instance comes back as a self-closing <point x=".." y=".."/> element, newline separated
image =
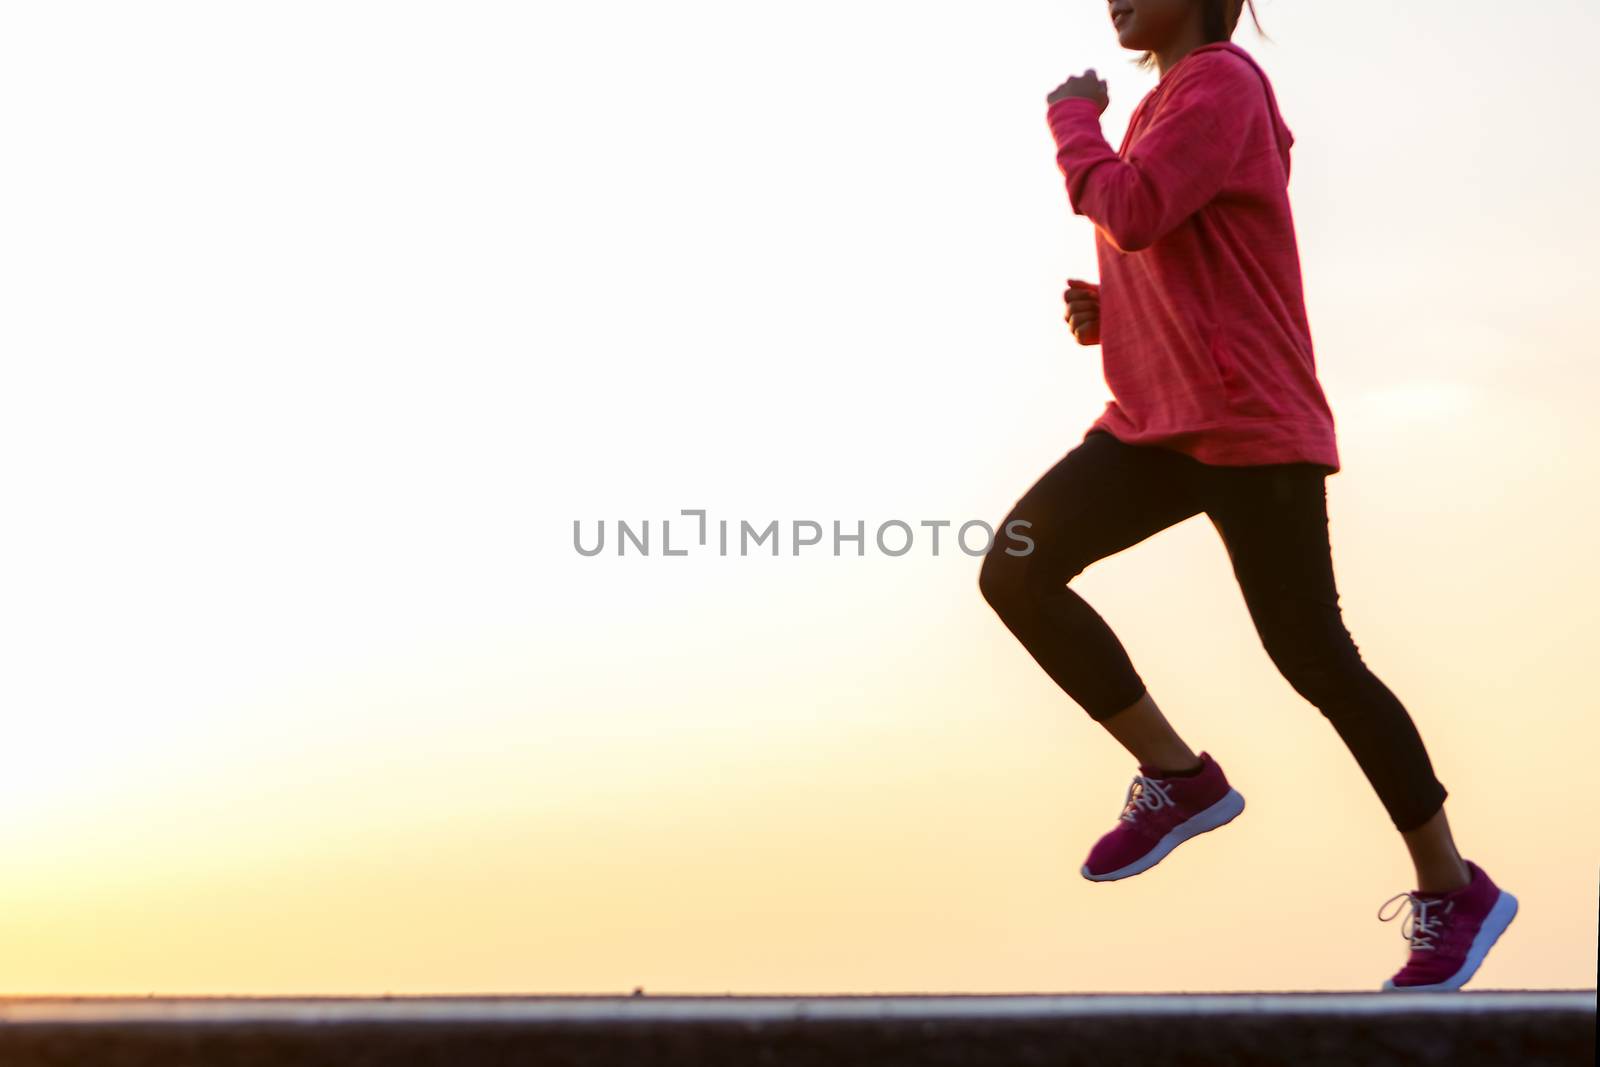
<point x="1083" y="310"/>
<point x="1085" y="85"/>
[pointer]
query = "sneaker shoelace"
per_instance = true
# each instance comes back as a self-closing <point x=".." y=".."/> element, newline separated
<point x="1424" y="923"/>
<point x="1146" y="794"/>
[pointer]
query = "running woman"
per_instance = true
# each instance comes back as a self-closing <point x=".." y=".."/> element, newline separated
<point x="1206" y="350"/>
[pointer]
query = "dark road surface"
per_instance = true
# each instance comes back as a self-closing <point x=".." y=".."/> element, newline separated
<point x="1527" y="1028"/>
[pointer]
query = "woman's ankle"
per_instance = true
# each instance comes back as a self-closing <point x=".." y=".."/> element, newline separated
<point x="1444" y="878"/>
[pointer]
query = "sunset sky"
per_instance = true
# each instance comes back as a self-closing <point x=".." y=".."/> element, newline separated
<point x="324" y="322"/>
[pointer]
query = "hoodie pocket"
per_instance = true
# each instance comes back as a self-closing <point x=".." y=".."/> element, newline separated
<point x="1219" y="364"/>
<point x="1241" y="396"/>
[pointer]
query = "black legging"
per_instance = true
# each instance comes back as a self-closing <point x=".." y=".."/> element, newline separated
<point x="1105" y="496"/>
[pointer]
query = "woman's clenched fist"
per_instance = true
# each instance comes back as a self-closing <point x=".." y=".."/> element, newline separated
<point x="1083" y="310"/>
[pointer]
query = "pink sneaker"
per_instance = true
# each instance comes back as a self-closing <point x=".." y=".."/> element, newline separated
<point x="1450" y="933"/>
<point x="1159" y="815"/>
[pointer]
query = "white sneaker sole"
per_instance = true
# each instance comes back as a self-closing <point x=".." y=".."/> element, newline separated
<point x="1499" y="917"/>
<point x="1223" y="811"/>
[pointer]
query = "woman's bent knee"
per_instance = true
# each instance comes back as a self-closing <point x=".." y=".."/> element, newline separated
<point x="1332" y="682"/>
<point x="1000" y="580"/>
<point x="1008" y="574"/>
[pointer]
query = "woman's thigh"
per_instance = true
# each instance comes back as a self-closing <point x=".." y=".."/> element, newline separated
<point x="1098" y="499"/>
<point x="1273" y="521"/>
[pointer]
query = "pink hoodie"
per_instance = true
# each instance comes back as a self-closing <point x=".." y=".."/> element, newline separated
<point x="1203" y="332"/>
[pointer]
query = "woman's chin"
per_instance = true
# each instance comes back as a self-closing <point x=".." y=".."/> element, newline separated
<point x="1129" y="40"/>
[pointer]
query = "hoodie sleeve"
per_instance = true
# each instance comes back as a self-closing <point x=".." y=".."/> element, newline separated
<point x="1179" y="162"/>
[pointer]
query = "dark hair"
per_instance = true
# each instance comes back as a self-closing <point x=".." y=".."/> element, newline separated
<point x="1218" y="20"/>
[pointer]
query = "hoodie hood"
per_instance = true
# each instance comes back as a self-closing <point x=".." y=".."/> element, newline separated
<point x="1280" y="129"/>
